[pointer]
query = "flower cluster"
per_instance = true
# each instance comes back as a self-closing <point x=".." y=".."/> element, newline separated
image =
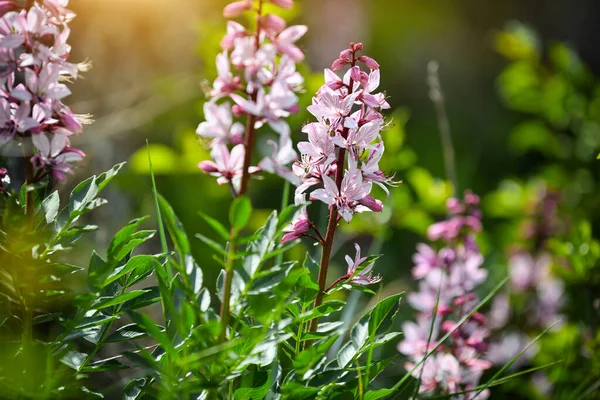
<point x="257" y="74"/>
<point x="349" y="123"/>
<point x="34" y="67"/>
<point x="447" y="280"/>
<point x="540" y="294"/>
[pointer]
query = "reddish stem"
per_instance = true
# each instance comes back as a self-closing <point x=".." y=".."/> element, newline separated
<point x="250" y="136"/>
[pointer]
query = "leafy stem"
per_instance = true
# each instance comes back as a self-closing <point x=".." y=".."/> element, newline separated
<point x="225" y="312"/>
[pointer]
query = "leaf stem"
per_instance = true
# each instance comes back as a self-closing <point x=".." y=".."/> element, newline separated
<point x="225" y="314"/>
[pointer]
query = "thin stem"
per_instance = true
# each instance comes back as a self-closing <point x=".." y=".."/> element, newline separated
<point x="437" y="97"/>
<point x="227" y="285"/>
<point x="284" y="202"/>
<point x="329" y="235"/>
<point x="334" y="284"/>
<point x="250" y="136"/>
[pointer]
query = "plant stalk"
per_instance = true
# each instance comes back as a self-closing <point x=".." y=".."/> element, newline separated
<point x="437" y="97"/>
<point x="225" y="314"/>
<point x="250" y="136"/>
<point x="329" y="235"/>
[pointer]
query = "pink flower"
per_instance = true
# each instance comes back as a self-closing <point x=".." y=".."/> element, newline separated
<point x="286" y="39"/>
<point x="282" y="155"/>
<point x="236" y="8"/>
<point x="359" y="140"/>
<point x="219" y="125"/>
<point x="320" y="148"/>
<point x="439" y="372"/>
<point x="362" y="276"/>
<point x="331" y="108"/>
<point x="345" y="199"/>
<point x="227" y="167"/>
<point x="54" y="154"/>
<point x="234" y="31"/>
<point x="297" y="227"/>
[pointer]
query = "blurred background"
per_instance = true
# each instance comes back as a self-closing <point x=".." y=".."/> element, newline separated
<point x="522" y="107"/>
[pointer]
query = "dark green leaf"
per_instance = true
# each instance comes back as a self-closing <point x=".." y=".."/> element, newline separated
<point x="141" y="263"/>
<point x="83" y="194"/>
<point x="151" y="296"/>
<point x="50" y="207"/>
<point x="126" y="333"/>
<point x="240" y="212"/>
<point x="216" y="225"/>
<point x="104" y="302"/>
<point x="105" y="365"/>
<point x="212" y="244"/>
<point x="174" y="226"/>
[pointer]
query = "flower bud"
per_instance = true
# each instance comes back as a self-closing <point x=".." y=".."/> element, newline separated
<point x="236" y="8"/>
<point x="208" y="167"/>
<point x="273" y="24"/>
<point x="283" y="3"/>
<point x="369" y="62"/>
<point x="372" y="203"/>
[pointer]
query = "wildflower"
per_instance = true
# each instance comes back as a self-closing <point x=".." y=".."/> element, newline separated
<point x="345" y="199"/>
<point x="33" y="43"/>
<point x="299" y="225"/>
<point x="219" y="125"/>
<point x="262" y="85"/>
<point x="447" y="280"/>
<point x="360" y="276"/>
<point x="227" y="167"/>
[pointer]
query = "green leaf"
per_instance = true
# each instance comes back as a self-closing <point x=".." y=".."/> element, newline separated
<point x="212" y="244"/>
<point x="141" y="262"/>
<point x="50" y="206"/>
<point x="104" y="178"/>
<point x="194" y="273"/>
<point x="126" y="333"/>
<point x="312" y="355"/>
<point x="121" y="244"/>
<point x="151" y="296"/>
<point x="261" y="245"/>
<point x="174" y="226"/>
<point x="133" y="389"/>
<point x="104" y="302"/>
<point x="295" y="391"/>
<point x="40" y="319"/>
<point x="73" y="359"/>
<point x="83" y="194"/>
<point x="239" y="214"/>
<point x="152" y="329"/>
<point x="257" y="391"/>
<point x="383" y="314"/>
<point x="110" y="364"/>
<point x="216" y="225"/>
<point x="95" y="320"/>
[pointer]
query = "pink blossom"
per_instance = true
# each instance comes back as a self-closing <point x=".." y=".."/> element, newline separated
<point x="219" y="125"/>
<point x="320" y="148"/>
<point x="299" y="225"/>
<point x="55" y="154"/>
<point x="352" y="190"/>
<point x="227" y="167"/>
<point x="234" y="31"/>
<point x="282" y="155"/>
<point x="357" y="275"/>
<point x="286" y="39"/>
<point x="331" y="108"/>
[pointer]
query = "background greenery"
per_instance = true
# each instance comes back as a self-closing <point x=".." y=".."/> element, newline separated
<point x="524" y="111"/>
